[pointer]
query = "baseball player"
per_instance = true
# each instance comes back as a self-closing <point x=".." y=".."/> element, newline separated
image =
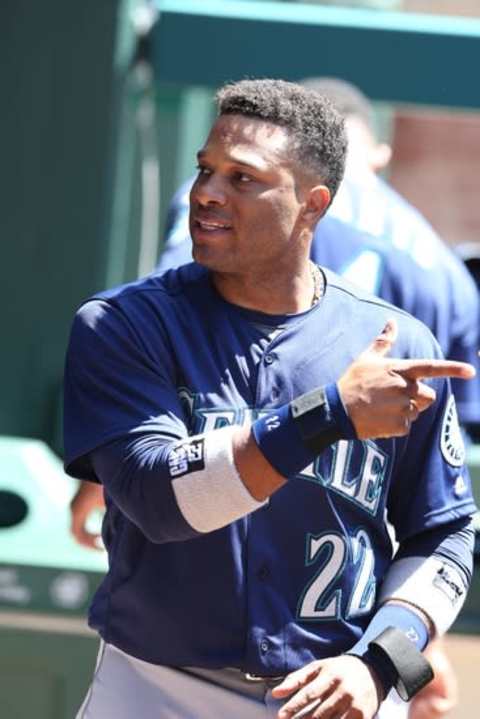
<point x="261" y="428"/>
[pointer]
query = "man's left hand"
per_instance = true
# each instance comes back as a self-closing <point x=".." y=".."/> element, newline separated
<point x="345" y="686"/>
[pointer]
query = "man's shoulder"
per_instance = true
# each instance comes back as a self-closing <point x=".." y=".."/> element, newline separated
<point x="150" y="304"/>
<point x="364" y="301"/>
<point x="159" y="286"/>
<point x="368" y="313"/>
<point x="145" y="313"/>
<point x="383" y="269"/>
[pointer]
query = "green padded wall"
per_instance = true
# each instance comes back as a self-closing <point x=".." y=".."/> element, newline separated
<point x="61" y="72"/>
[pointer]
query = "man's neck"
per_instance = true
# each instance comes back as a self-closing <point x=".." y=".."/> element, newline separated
<point x="275" y="294"/>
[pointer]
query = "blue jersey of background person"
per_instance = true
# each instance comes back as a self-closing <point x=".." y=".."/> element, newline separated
<point x="427" y="281"/>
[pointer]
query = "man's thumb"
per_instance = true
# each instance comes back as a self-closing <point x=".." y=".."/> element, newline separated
<point x="382" y="344"/>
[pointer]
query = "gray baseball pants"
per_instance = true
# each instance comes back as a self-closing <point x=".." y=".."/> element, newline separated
<point x="124" y="687"/>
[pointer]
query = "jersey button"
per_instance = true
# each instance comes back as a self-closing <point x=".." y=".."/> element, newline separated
<point x="264" y="646"/>
<point x="269" y="359"/>
<point x="263" y="573"/>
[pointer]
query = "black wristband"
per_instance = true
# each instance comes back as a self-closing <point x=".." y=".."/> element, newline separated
<point x="321" y="418"/>
<point x="398" y="663"/>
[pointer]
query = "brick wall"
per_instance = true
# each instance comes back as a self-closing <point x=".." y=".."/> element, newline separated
<point x="465" y="8"/>
<point x="436" y="164"/>
<point x="436" y="157"/>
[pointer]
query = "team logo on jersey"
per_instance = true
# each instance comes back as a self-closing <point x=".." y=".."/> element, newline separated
<point x="451" y="442"/>
<point x="187" y="457"/>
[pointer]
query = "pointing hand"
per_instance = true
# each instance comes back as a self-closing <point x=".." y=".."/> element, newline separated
<point x="383" y="396"/>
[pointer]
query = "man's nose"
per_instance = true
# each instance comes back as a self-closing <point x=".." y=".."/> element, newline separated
<point x="209" y="190"/>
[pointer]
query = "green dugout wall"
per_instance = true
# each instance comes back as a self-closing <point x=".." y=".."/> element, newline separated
<point x="62" y="68"/>
<point x="392" y="56"/>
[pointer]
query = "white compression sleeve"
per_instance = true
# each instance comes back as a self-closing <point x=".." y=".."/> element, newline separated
<point x="432" y="584"/>
<point x="208" y="489"/>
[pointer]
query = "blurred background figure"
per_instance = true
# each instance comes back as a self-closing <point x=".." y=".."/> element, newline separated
<point x="469" y="253"/>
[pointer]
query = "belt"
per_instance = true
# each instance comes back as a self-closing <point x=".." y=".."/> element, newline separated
<point x="251" y="685"/>
<point x="268" y="681"/>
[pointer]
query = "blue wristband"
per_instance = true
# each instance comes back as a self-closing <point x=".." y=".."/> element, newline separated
<point x="398" y="616"/>
<point x="291" y="436"/>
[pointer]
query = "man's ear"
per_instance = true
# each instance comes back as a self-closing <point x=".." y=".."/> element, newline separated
<point x="379" y="156"/>
<point x="316" y="203"/>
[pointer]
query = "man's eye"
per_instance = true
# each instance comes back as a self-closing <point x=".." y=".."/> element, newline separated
<point x="242" y="177"/>
<point x="202" y="170"/>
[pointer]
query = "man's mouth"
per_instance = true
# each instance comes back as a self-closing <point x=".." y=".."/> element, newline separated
<point x="212" y="225"/>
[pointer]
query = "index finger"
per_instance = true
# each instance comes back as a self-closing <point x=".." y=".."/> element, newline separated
<point x="308" y="709"/>
<point x="424" y="368"/>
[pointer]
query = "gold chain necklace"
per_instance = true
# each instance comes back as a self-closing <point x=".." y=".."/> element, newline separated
<point x="318" y="283"/>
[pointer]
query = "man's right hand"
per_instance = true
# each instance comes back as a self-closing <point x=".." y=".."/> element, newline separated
<point x="342" y="686"/>
<point x="383" y="396"/>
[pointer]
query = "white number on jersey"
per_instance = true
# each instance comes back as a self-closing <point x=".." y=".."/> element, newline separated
<point x="321" y="600"/>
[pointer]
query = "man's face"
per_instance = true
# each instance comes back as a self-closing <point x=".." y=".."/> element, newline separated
<point x="245" y="202"/>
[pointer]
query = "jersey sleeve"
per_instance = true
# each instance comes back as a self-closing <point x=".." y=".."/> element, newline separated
<point x="431" y="484"/>
<point x="122" y="415"/>
<point x="115" y="385"/>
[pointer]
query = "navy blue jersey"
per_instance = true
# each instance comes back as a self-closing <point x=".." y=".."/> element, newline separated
<point x="166" y="357"/>
<point x="422" y="277"/>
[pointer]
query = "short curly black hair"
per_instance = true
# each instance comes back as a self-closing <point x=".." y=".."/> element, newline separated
<point x="316" y="128"/>
<point x="349" y="100"/>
